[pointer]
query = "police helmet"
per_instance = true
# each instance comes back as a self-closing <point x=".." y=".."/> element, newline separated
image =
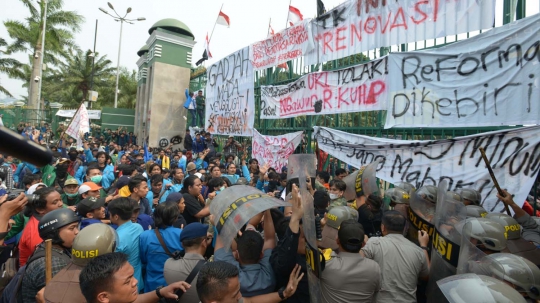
<point x="453" y="195"/>
<point x="405" y="185"/>
<point x="475" y="211"/>
<point x="94" y="240"/>
<point x="50" y="224"/>
<point x="517" y="270"/>
<point x="511" y="225"/>
<point x="397" y="195"/>
<point x="472" y="195"/>
<point x="338" y="214"/>
<point x="428" y="192"/>
<point x="487" y="232"/>
<point x="478" y="288"/>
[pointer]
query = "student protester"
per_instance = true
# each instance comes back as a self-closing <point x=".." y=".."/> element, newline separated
<point x="70" y="196"/>
<point x="336" y="192"/>
<point x="219" y="282"/>
<point x="233" y="176"/>
<point x="93" y="241"/>
<point x="91" y="210"/>
<point x="109" y="278"/>
<point x="61" y="226"/>
<point x="178" y="198"/>
<point x="121" y="210"/>
<point x="138" y="187"/>
<point x="48" y="199"/>
<point x="195" y="207"/>
<point x="157" y="245"/>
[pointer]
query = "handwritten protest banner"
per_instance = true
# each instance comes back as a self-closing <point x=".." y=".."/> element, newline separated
<point x="489" y="80"/>
<point x="230" y="106"/>
<point x="361" y="25"/>
<point x="514" y="155"/>
<point x="288" y="44"/>
<point x="274" y="150"/>
<point x="354" y="89"/>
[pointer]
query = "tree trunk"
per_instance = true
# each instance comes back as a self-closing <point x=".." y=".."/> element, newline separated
<point x="33" y="88"/>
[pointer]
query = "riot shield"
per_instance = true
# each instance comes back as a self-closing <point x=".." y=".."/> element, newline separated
<point x="235" y="206"/>
<point x="420" y="216"/>
<point x="446" y="240"/>
<point x="362" y="182"/>
<point x="301" y="167"/>
<point x="479" y="234"/>
<point x="478" y="288"/>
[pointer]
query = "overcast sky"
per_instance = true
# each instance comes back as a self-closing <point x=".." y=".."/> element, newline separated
<point x="249" y="23"/>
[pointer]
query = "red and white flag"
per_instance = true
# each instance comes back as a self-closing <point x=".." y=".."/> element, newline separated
<point x="294" y="15"/>
<point x="223" y="19"/>
<point x="207" y="47"/>
<point x="270" y="30"/>
<point x="80" y="124"/>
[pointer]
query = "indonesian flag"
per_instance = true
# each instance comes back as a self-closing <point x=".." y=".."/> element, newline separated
<point x="80" y="124"/>
<point x="294" y="15"/>
<point x="270" y="30"/>
<point x="223" y="19"/>
<point x="207" y="47"/>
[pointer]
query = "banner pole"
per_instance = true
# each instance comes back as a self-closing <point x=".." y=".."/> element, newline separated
<point x="215" y="24"/>
<point x="288" y="10"/>
<point x="74" y="115"/>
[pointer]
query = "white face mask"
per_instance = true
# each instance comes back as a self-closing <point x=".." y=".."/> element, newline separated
<point x="333" y="196"/>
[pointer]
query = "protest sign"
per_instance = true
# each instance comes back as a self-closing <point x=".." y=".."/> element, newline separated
<point x="514" y="155"/>
<point x="489" y="80"/>
<point x="354" y="89"/>
<point x="80" y="124"/>
<point x="68" y="113"/>
<point x="288" y="44"/>
<point x="274" y="150"/>
<point x="230" y="106"/>
<point x="361" y="25"/>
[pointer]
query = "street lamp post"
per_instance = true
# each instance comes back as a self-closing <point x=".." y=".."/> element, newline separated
<point x="121" y="20"/>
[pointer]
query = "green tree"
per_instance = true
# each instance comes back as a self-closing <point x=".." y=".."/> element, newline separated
<point x="59" y="36"/>
<point x="345" y="62"/>
<point x="8" y="66"/>
<point x="127" y="85"/>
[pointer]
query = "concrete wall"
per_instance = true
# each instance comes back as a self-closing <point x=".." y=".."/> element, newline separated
<point x="165" y="104"/>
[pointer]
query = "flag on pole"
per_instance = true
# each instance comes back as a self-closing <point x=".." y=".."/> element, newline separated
<point x="147" y="155"/>
<point x="294" y="15"/>
<point x="207" y="47"/>
<point x="270" y="30"/>
<point x="223" y="19"/>
<point x="80" y="124"/>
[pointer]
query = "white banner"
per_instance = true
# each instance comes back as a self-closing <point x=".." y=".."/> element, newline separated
<point x="68" y="113"/>
<point x="80" y="124"/>
<point x="274" y="150"/>
<point x="230" y="105"/>
<point x="355" y="89"/>
<point x="514" y="155"/>
<point x="361" y="25"/>
<point x="488" y="80"/>
<point x="288" y="44"/>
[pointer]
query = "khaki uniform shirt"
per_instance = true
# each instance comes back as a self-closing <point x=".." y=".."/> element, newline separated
<point x="401" y="262"/>
<point x="64" y="286"/>
<point x="179" y="270"/>
<point x="349" y="277"/>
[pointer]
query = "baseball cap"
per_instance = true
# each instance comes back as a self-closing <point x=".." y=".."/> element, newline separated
<point x="122" y="181"/>
<point x="231" y="136"/>
<point x="174" y="197"/>
<point x="193" y="231"/>
<point x="71" y="181"/>
<point x="351" y="235"/>
<point x="191" y="166"/>
<point x="89" y="204"/>
<point x="88" y="186"/>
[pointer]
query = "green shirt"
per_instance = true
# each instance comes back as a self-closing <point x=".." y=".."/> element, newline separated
<point x="70" y="201"/>
<point x="200" y="101"/>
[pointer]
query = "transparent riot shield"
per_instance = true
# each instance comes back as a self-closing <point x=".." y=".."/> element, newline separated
<point x="235" y="206"/>
<point x="479" y="235"/>
<point x="362" y="182"/>
<point x="420" y="216"/>
<point x="467" y="288"/>
<point x="445" y="240"/>
<point x="301" y="167"/>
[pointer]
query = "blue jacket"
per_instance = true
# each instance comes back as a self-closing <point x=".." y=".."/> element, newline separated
<point x="153" y="255"/>
<point x="198" y="146"/>
<point x="108" y="171"/>
<point x="234" y="178"/>
<point x="189" y="100"/>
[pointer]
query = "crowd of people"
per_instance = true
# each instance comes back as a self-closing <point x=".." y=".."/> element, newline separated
<point x="133" y="224"/>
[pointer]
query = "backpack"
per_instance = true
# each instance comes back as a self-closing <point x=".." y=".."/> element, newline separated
<point x="12" y="292"/>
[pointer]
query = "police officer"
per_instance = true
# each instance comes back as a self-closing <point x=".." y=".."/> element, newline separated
<point x="96" y="239"/>
<point x="61" y="226"/>
<point x="478" y="288"/>
<point x="399" y="200"/>
<point x="335" y="216"/>
<point x="470" y="196"/>
<point x="475" y="211"/>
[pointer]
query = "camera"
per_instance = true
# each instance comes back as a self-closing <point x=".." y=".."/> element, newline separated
<point x="37" y="78"/>
<point x="13" y="194"/>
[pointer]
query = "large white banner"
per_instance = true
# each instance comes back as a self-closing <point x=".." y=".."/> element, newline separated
<point x="68" y="113"/>
<point x="354" y="89"/>
<point x="489" y="80"/>
<point x="514" y="155"/>
<point x="361" y="25"/>
<point x="230" y="105"/>
<point x="274" y="150"/>
<point x="288" y="44"/>
<point x="80" y="124"/>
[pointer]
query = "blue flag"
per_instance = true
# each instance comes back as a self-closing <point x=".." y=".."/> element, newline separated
<point x="147" y="155"/>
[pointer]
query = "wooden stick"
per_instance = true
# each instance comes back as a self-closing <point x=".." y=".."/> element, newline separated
<point x="499" y="189"/>
<point x="48" y="261"/>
